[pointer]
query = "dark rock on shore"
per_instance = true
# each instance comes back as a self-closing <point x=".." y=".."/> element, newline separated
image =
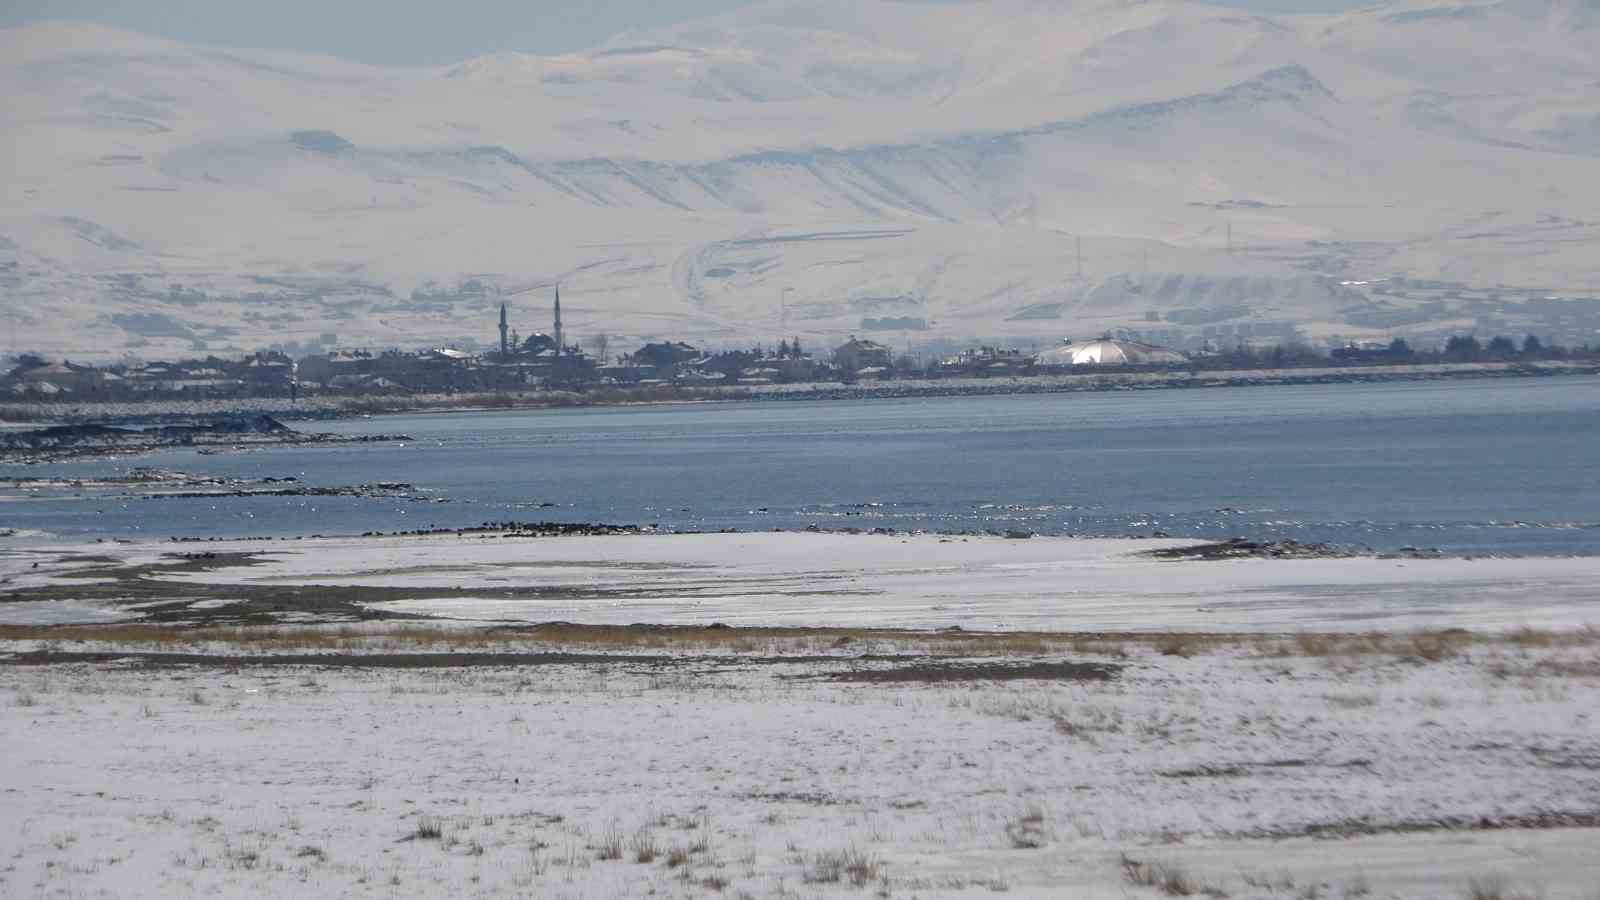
<point x="65" y="436"/>
<point x="393" y="489"/>
<point x="73" y="441"/>
<point x="525" y="529"/>
<point x="1239" y="548"/>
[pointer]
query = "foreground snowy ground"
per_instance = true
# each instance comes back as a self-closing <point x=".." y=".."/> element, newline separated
<point x="1421" y="767"/>
<point x="235" y="722"/>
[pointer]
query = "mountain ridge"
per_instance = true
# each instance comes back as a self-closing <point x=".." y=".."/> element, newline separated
<point x="1196" y="152"/>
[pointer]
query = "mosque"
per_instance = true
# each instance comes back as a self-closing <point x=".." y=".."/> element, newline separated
<point x="537" y="344"/>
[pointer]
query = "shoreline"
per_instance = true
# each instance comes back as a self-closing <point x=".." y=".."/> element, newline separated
<point x="785" y="579"/>
<point x="346" y="407"/>
<point x="1178" y="548"/>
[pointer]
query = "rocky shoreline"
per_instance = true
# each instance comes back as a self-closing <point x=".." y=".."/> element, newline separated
<point x="1289" y="548"/>
<point x="1200" y="550"/>
<point x="92" y="440"/>
<point x="1096" y="382"/>
<point x="164" y="484"/>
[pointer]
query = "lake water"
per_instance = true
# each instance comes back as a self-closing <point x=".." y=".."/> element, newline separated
<point x="1509" y="467"/>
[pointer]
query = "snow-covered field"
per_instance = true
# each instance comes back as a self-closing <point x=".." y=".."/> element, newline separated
<point x="1290" y="751"/>
<point x="1247" y="773"/>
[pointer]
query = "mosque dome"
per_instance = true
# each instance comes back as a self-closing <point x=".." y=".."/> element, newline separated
<point x="1108" y="352"/>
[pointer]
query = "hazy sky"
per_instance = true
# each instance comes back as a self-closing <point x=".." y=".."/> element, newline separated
<point x="414" y="32"/>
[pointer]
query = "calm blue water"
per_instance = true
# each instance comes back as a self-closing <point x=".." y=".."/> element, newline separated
<point x="1470" y="467"/>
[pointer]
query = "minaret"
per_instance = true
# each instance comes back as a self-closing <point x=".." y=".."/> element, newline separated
<point x="558" y="322"/>
<point x="504" y="346"/>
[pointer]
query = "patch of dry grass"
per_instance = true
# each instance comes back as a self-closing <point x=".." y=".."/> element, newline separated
<point x="1167" y="878"/>
<point x="643" y="846"/>
<point x="1351" y="701"/>
<point x="1436" y="646"/>
<point x="603" y="638"/>
<point x="832" y="867"/>
<point x="1026" y="832"/>
<point x="1530" y="637"/>
<point x="1495" y="888"/>
<point x="1569" y="668"/>
<point x="1184" y="645"/>
<point x="1170" y="880"/>
<point x="428" y="829"/>
<point x="610" y="846"/>
<point x="313" y="852"/>
<point x="1417" y="646"/>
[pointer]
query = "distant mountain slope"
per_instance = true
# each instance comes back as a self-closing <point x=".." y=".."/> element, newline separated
<point x="1013" y="168"/>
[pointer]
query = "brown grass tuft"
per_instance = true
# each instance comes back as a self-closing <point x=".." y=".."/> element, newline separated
<point x="1494" y="888"/>
<point x="610" y="846"/>
<point x="831" y="867"/>
<point x="1437" y="646"/>
<point x="1528" y="637"/>
<point x="1309" y="644"/>
<point x="428" y="829"/>
<point x="1177" y="644"/>
<point x="1168" y="879"/>
<point x="1026" y="832"/>
<point x="643" y="846"/>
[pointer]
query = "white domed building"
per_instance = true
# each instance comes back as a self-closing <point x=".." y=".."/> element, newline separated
<point x="1107" y="352"/>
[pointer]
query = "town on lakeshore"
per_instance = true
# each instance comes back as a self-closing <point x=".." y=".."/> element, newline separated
<point x="551" y="361"/>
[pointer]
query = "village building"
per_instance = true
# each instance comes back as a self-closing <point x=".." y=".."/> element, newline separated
<point x="665" y="356"/>
<point x="51" y="380"/>
<point x="857" y="354"/>
<point x="987" y="361"/>
<point x="794" y="368"/>
<point x="1107" y="352"/>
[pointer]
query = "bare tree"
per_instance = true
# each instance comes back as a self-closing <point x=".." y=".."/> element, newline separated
<point x="601" y="343"/>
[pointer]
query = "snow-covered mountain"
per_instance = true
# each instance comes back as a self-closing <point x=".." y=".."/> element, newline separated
<point x="813" y="167"/>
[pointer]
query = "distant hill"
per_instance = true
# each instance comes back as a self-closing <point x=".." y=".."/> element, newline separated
<point x="1014" y="168"/>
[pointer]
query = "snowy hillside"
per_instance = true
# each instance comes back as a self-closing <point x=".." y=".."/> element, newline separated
<point x="1016" y="168"/>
